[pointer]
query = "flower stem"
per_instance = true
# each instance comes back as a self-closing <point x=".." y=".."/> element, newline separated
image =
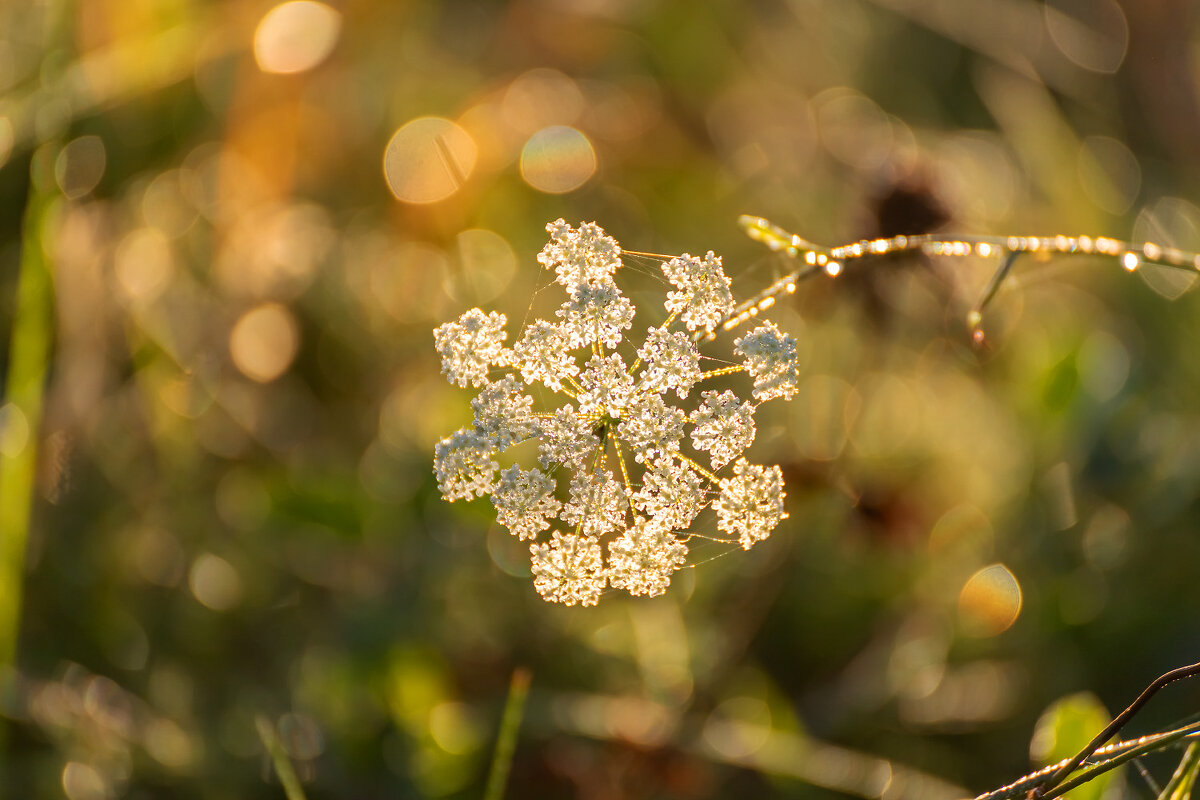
<point x="713" y="373"/>
<point x="710" y="476"/>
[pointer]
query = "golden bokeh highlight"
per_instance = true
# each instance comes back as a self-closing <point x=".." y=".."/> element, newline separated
<point x="1093" y="34"/>
<point x="80" y="166"/>
<point x="1168" y="222"/>
<point x="541" y="97"/>
<point x="215" y="583"/>
<point x="169" y="744"/>
<point x="296" y="36"/>
<point x="557" y="160"/>
<point x="83" y="782"/>
<point x="143" y="264"/>
<point x="428" y="159"/>
<point x="990" y="601"/>
<point x="274" y="252"/>
<point x="264" y="342"/>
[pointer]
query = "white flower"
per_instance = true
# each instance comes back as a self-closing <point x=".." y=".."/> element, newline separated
<point x="642" y="559"/>
<point x="672" y="362"/>
<point x="584" y="256"/>
<point x="671" y="493"/>
<point x="723" y="427"/>
<point x="597" y="505"/>
<point x="611" y="445"/>
<point x="607" y="387"/>
<point x="751" y="502"/>
<point x="567" y="438"/>
<point x="704" y="299"/>
<point x="771" y="360"/>
<point x="596" y="313"/>
<point x="652" y="428"/>
<point x="569" y="570"/>
<point x="543" y="355"/>
<point x="464" y="466"/>
<point x="503" y="414"/>
<point x="524" y="500"/>
<point x="471" y="345"/>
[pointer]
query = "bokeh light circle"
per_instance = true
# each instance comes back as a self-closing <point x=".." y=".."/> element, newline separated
<point x="80" y="166"/>
<point x="557" y="159"/>
<point x="264" y="342"/>
<point x="296" y="36"/>
<point x="215" y="583"/>
<point x="428" y="159"/>
<point x="990" y="601"/>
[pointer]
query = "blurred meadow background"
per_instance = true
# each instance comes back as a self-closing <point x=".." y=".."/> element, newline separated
<point x="229" y="227"/>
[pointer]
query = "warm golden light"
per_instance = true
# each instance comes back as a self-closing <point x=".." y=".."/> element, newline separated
<point x="990" y="601"/>
<point x="296" y="36"/>
<point x="215" y="583"/>
<point x="264" y="342"/>
<point x="143" y="264"/>
<point x="80" y="166"/>
<point x="82" y="782"/>
<point x="428" y="159"/>
<point x="557" y="160"/>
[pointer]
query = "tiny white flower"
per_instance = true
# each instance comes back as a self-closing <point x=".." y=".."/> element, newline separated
<point x="471" y="345"/>
<point x="672" y="362"/>
<point x="642" y="560"/>
<point x="771" y="360"/>
<point x="723" y="427"/>
<point x="583" y="256"/>
<point x="503" y="414"/>
<point x="596" y="314"/>
<point x="607" y="387"/>
<point x="543" y="355"/>
<point x="651" y="427"/>
<point x="464" y="466"/>
<point x="524" y="500"/>
<point x="751" y="502"/>
<point x="569" y="570"/>
<point x="566" y="437"/>
<point x="597" y="505"/>
<point x="704" y="298"/>
<point x="671" y="493"/>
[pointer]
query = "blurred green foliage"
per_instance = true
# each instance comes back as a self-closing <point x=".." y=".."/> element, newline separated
<point x="262" y="211"/>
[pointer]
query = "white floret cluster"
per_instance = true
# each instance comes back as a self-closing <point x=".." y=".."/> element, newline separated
<point x="613" y="472"/>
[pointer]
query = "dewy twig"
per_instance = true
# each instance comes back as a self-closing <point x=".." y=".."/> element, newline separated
<point x="1113" y="727"/>
<point x="833" y="260"/>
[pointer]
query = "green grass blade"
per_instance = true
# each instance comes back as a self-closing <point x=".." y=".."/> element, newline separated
<point x="1184" y="780"/>
<point x="29" y="353"/>
<point x="279" y="758"/>
<point x="506" y="742"/>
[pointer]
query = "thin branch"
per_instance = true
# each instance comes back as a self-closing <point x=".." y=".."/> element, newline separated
<point x="1112" y="755"/>
<point x="1113" y="727"/>
<point x="832" y="261"/>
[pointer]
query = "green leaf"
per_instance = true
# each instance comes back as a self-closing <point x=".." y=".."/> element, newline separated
<point x="1063" y="730"/>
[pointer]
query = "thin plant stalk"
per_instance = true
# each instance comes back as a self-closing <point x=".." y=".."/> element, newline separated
<point x="1184" y="780"/>
<point x="21" y="416"/>
<point x="506" y="742"/>
<point x="29" y="354"/>
<point x="1102" y="760"/>
<point x="832" y="261"/>
<point x="279" y="759"/>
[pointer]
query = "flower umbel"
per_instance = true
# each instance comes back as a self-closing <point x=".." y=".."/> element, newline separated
<point x="618" y="471"/>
